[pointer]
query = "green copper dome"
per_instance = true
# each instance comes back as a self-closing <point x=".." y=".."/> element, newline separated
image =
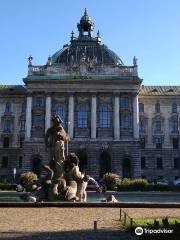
<point x="86" y="48"/>
<point x="89" y="50"/>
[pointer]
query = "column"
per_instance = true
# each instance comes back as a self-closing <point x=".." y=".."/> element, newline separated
<point x="116" y="118"/>
<point x="136" y="117"/>
<point x="71" y="117"/>
<point x="93" y="117"/>
<point x="48" y="113"/>
<point x="28" y="117"/>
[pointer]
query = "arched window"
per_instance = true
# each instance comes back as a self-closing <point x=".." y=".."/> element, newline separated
<point x="36" y="165"/>
<point x="174" y="108"/>
<point x="82" y="155"/>
<point x="8" y="107"/>
<point x="141" y="125"/>
<point x="105" y="163"/>
<point x="20" y="162"/>
<point x="157" y="108"/>
<point x="141" y="107"/>
<point x="82" y="117"/>
<point x="4" y="162"/>
<point x="159" y="162"/>
<point x="23" y="107"/>
<point x="104" y="117"/>
<point x="126" y="167"/>
<point x="60" y="112"/>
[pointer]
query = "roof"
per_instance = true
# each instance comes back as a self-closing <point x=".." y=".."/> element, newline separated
<point x="12" y="89"/>
<point x="90" y="49"/>
<point x="159" y="90"/>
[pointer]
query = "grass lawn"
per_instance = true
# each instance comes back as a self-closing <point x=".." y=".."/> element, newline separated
<point x="156" y="224"/>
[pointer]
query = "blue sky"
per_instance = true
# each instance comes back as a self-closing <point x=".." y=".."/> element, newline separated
<point x="147" y="29"/>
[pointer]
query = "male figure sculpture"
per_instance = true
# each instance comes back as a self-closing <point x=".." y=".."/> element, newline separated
<point x="54" y="141"/>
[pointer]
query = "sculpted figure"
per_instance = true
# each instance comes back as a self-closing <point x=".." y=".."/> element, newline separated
<point x="54" y="141"/>
<point x="81" y="188"/>
<point x="72" y="175"/>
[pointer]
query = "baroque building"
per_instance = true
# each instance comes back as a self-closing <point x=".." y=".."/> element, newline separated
<point x="115" y="123"/>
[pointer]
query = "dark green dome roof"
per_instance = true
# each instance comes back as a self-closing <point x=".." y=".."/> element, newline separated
<point x="100" y="52"/>
<point x="86" y="47"/>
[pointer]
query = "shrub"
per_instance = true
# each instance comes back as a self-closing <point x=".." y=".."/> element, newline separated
<point x="133" y="184"/>
<point x="27" y="179"/>
<point x="160" y="187"/>
<point x="112" y="181"/>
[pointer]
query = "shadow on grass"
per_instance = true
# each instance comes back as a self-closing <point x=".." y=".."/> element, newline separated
<point x="68" y="235"/>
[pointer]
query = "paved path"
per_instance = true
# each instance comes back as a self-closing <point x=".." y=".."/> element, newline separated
<point x="61" y="224"/>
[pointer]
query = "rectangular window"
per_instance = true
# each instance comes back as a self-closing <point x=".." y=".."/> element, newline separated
<point x="175" y="142"/>
<point x="4" y="163"/>
<point x="159" y="163"/>
<point x="176" y="163"/>
<point x="174" y="108"/>
<point x="6" y="142"/>
<point x="157" y="108"/>
<point x="22" y="125"/>
<point x="158" y="126"/>
<point x="125" y="102"/>
<point x="39" y="102"/>
<point x="158" y="143"/>
<point x="21" y="142"/>
<point x="82" y="118"/>
<point x="38" y="122"/>
<point x="141" y="107"/>
<point x="7" y="125"/>
<point x="142" y="142"/>
<point x="20" y="162"/>
<point x="143" y="162"/>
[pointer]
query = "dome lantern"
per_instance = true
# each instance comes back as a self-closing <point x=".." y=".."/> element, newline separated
<point x="85" y="25"/>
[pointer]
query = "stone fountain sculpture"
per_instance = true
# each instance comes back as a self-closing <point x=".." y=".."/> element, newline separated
<point x="64" y="181"/>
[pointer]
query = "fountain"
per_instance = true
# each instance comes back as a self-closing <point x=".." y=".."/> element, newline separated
<point x="64" y="181"/>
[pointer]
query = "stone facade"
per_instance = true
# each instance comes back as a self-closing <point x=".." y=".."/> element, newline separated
<point x="97" y="97"/>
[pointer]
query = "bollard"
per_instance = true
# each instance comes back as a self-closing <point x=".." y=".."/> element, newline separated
<point x="131" y="224"/>
<point x="120" y="214"/>
<point x="95" y="225"/>
<point x="124" y="218"/>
